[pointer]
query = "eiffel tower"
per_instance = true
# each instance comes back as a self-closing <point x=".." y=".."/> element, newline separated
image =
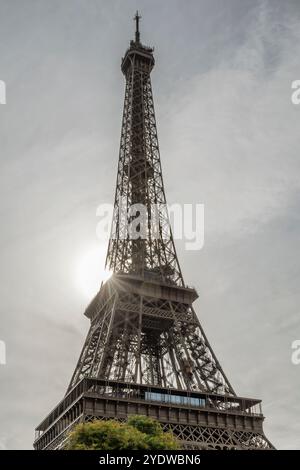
<point x="146" y="352"/>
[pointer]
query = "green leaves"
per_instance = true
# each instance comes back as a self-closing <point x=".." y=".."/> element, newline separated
<point x="139" y="433"/>
<point x="145" y="425"/>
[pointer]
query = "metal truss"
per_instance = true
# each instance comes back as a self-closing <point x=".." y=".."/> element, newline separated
<point x="133" y="337"/>
<point x="139" y="181"/>
<point x="149" y="341"/>
<point x="191" y="437"/>
<point x="144" y="331"/>
<point x="205" y="437"/>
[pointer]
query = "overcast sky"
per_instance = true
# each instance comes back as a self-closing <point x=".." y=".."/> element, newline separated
<point x="229" y="138"/>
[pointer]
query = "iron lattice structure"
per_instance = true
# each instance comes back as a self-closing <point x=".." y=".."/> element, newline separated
<point x="139" y="181"/>
<point x="146" y="352"/>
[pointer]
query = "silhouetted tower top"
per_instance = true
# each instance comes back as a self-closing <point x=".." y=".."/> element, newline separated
<point x="137" y="55"/>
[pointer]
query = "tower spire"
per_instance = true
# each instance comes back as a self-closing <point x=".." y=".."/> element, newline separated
<point x="137" y="18"/>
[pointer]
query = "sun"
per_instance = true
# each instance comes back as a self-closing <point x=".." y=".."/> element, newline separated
<point x="90" y="270"/>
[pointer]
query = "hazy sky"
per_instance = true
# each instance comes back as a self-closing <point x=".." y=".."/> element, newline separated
<point x="229" y="138"/>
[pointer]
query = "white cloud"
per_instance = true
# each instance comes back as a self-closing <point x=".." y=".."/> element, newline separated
<point x="237" y="132"/>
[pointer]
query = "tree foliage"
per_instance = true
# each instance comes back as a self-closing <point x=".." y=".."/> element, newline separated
<point x="138" y="433"/>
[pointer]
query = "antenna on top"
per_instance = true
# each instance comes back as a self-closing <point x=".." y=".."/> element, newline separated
<point x="137" y="18"/>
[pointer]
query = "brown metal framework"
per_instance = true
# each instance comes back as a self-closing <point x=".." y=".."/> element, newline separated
<point x="145" y="342"/>
<point x="139" y="181"/>
<point x="147" y="332"/>
<point x="199" y="420"/>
